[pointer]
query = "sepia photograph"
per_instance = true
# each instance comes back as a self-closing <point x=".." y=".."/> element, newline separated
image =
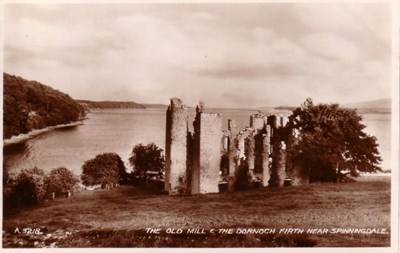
<point x="207" y="125"/>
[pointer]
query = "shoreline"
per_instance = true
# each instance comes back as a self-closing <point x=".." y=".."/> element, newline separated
<point x="36" y="132"/>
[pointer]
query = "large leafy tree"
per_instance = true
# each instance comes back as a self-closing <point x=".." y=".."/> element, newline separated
<point x="147" y="158"/>
<point x="104" y="169"/>
<point x="331" y="140"/>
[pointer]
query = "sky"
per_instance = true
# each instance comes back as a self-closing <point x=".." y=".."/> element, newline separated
<point x="227" y="55"/>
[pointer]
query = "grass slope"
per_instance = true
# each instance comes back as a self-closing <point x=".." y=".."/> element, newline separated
<point x="119" y="217"/>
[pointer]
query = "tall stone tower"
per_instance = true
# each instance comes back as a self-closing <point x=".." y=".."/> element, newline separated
<point x="176" y="147"/>
<point x="206" y="152"/>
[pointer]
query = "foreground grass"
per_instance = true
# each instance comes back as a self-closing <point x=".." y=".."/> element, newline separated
<point x="119" y="217"/>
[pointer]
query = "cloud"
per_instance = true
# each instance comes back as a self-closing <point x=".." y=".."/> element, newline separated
<point x="337" y="17"/>
<point x="331" y="46"/>
<point x="258" y="54"/>
<point x="225" y="54"/>
<point x="368" y="24"/>
<point x="69" y="44"/>
<point x="248" y="72"/>
<point x="204" y="16"/>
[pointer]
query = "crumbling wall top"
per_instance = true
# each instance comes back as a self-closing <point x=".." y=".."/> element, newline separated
<point x="200" y="107"/>
<point x="176" y="103"/>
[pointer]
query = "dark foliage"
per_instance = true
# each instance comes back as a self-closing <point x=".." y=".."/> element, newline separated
<point x="224" y="164"/>
<point x="243" y="179"/>
<point x="104" y="169"/>
<point x="331" y="140"/>
<point x="31" y="105"/>
<point x="147" y="158"/>
<point x="60" y="180"/>
<point x="6" y="175"/>
<point x="28" y="187"/>
<point x="7" y="183"/>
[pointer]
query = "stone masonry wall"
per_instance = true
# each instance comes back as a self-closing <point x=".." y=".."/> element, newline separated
<point x="265" y="159"/>
<point x="233" y="160"/>
<point x="195" y="177"/>
<point x="209" y="155"/>
<point x="257" y="121"/>
<point x="176" y="147"/>
<point x="249" y="152"/>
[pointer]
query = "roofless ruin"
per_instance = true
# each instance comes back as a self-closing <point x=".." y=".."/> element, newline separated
<point x="197" y="162"/>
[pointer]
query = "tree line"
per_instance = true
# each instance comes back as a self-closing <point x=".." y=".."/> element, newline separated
<point x="33" y="186"/>
<point x="29" y="105"/>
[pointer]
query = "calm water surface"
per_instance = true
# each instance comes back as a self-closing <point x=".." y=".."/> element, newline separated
<point x="118" y="130"/>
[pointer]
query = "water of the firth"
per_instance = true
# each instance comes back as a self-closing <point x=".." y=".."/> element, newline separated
<point x="118" y="130"/>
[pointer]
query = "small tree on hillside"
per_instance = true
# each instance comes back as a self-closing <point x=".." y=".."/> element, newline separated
<point x="147" y="158"/>
<point x="104" y="169"/>
<point x="60" y="180"/>
<point x="28" y="187"/>
<point x="331" y="140"/>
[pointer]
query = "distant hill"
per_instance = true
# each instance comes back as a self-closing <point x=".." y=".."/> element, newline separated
<point x="372" y="106"/>
<point x="155" y="106"/>
<point x="287" y="108"/>
<point x="109" y="104"/>
<point x="29" y="105"/>
<point x="384" y="103"/>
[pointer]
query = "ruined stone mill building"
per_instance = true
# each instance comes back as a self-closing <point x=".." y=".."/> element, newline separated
<point x="199" y="161"/>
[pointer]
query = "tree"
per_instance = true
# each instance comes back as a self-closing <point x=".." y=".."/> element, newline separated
<point x="104" y="169"/>
<point x="330" y="140"/>
<point x="60" y="180"/>
<point x="147" y="158"/>
<point x="28" y="187"/>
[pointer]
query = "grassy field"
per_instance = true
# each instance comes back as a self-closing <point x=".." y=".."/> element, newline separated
<point x="119" y="217"/>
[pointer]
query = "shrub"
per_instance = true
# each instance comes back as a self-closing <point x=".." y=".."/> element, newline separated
<point x="104" y="169"/>
<point x="243" y="179"/>
<point x="28" y="187"/>
<point x="60" y="180"/>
